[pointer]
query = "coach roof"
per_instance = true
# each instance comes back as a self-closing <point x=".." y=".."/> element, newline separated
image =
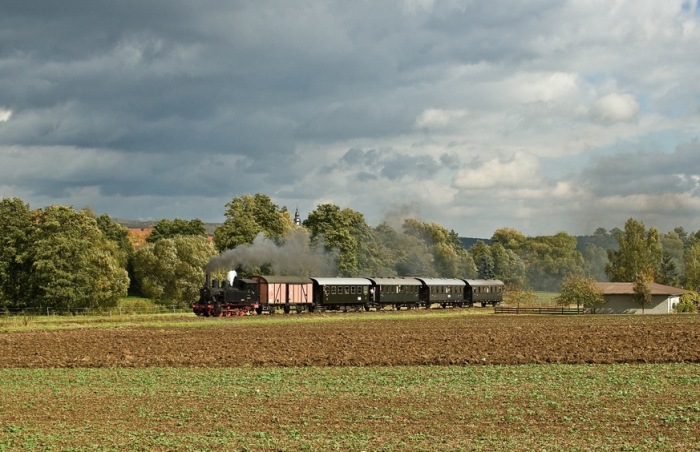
<point x="342" y="281"/>
<point x="442" y="281"/>
<point x="396" y="281"/>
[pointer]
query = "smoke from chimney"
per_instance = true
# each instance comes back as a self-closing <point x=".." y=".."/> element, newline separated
<point x="294" y="257"/>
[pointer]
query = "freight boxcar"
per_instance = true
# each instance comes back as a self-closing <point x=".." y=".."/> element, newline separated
<point x="284" y="292"/>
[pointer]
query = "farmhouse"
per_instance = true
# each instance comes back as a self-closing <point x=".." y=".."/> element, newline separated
<point x="619" y="299"/>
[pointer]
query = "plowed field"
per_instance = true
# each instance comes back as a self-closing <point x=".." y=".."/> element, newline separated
<point x="337" y="340"/>
<point x="387" y="381"/>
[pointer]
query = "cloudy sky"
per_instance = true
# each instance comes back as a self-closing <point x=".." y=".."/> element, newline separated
<point x="540" y="115"/>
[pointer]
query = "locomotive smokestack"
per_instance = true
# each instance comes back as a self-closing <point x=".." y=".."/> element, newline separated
<point x="208" y="286"/>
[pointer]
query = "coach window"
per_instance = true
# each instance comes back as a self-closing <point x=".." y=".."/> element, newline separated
<point x="347" y="290"/>
<point x="352" y="290"/>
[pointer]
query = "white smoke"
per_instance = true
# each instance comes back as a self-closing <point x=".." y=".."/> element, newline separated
<point x="296" y="256"/>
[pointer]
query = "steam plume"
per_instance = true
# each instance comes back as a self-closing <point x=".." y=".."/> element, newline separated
<point x="294" y="257"/>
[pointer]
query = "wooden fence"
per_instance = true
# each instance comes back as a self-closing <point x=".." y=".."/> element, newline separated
<point x="537" y="310"/>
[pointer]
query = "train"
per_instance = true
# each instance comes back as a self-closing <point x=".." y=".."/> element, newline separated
<point x="268" y="294"/>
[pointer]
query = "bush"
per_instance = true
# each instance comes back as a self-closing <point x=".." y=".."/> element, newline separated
<point x="688" y="302"/>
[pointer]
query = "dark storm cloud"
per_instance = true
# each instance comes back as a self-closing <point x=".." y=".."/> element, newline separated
<point x="173" y="107"/>
<point x="647" y="173"/>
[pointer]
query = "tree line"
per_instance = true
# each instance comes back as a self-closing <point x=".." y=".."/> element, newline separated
<point x="70" y="259"/>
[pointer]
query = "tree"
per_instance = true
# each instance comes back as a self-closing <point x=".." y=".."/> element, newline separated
<point x="481" y="253"/>
<point x="16" y="223"/>
<point x="247" y="216"/>
<point x="118" y="234"/>
<point x="689" y="302"/>
<point x="401" y="254"/>
<point x="667" y="273"/>
<point x="172" y="270"/>
<point x="640" y="252"/>
<point x="74" y="266"/>
<point x="642" y="293"/>
<point x="517" y="296"/>
<point x="509" y="238"/>
<point x="551" y="259"/>
<point x="166" y="229"/>
<point x="508" y="266"/>
<point x="580" y="290"/>
<point x="450" y="259"/>
<point x="342" y="230"/>
<point x="691" y="274"/>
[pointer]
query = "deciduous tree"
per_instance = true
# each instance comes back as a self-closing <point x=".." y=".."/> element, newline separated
<point x="639" y="252"/>
<point x="339" y="229"/>
<point x="167" y="229"/>
<point x="74" y="266"/>
<point x="172" y="270"/>
<point x="581" y="291"/>
<point x="249" y="215"/>
<point x="16" y="223"/>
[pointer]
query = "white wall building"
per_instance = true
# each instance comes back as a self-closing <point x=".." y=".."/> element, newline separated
<point x="619" y="299"/>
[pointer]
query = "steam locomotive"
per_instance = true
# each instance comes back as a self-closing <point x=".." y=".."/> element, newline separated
<point x="240" y="296"/>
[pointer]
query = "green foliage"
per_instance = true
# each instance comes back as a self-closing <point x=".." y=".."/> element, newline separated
<point x="581" y="291"/>
<point x="342" y="230"/>
<point x="172" y="270"/>
<point x="249" y="215"/>
<point x="642" y="293"/>
<point x="73" y="265"/>
<point x="551" y="259"/>
<point x="692" y="266"/>
<point x="689" y="302"/>
<point x="509" y="238"/>
<point x="508" y="266"/>
<point x="16" y="222"/>
<point x="518" y="297"/>
<point x="667" y="273"/>
<point x="167" y="229"/>
<point x="450" y="259"/>
<point x="639" y="253"/>
<point x="118" y="234"/>
<point x="483" y="260"/>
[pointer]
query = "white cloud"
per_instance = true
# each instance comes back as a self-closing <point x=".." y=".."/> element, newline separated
<point x="435" y="117"/>
<point x="614" y="108"/>
<point x="521" y="171"/>
<point x="5" y="115"/>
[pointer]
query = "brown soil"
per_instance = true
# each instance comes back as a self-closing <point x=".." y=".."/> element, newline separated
<point x="391" y="341"/>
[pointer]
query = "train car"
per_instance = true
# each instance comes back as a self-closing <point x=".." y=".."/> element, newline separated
<point x="341" y="294"/>
<point x="443" y="291"/>
<point x="397" y="292"/>
<point x="484" y="292"/>
<point x="284" y="292"/>
<point x="232" y="297"/>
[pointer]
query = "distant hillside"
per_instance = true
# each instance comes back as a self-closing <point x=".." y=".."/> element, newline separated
<point x="467" y="242"/>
